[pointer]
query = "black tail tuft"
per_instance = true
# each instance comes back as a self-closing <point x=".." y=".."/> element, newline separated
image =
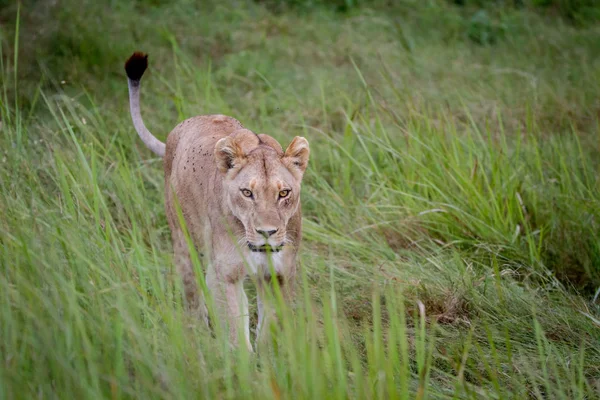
<point x="136" y="65"/>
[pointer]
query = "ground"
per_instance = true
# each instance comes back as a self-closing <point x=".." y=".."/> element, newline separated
<point x="450" y="206"/>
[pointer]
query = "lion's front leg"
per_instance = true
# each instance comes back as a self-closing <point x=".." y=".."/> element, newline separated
<point x="194" y="299"/>
<point x="267" y="299"/>
<point x="231" y="305"/>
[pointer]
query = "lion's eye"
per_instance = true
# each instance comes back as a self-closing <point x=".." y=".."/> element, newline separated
<point x="246" y="193"/>
<point x="283" y="193"/>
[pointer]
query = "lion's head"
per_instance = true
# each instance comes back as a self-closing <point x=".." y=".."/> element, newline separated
<point x="261" y="185"/>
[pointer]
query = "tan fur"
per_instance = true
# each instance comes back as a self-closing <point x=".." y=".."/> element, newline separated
<point x="208" y="160"/>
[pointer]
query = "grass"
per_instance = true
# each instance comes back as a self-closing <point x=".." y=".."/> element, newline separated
<point x="450" y="206"/>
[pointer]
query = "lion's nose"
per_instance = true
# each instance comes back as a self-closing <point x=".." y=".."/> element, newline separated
<point x="267" y="232"/>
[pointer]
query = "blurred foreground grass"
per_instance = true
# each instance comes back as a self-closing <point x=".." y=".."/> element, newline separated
<point x="451" y="204"/>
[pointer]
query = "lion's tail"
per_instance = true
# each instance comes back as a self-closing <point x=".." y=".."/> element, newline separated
<point x="135" y="67"/>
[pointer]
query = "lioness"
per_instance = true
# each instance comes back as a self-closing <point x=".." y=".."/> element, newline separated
<point x="239" y="195"/>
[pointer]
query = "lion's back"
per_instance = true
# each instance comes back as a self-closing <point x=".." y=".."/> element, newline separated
<point x="198" y="133"/>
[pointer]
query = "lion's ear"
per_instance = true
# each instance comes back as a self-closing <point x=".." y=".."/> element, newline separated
<point x="228" y="154"/>
<point x="296" y="156"/>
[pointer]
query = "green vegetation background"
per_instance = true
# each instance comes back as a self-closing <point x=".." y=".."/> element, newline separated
<point x="451" y="207"/>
